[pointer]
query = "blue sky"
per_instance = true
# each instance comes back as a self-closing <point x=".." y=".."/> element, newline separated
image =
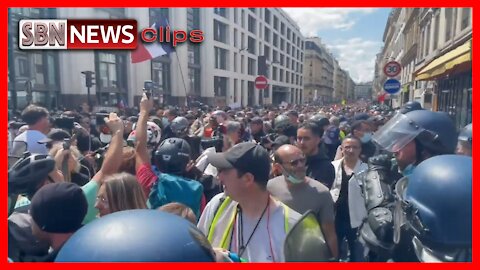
<point x="353" y="35"/>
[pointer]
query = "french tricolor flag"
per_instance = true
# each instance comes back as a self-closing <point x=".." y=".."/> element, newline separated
<point x="147" y="51"/>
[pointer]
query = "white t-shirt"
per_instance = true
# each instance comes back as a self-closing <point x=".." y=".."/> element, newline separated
<point x="267" y="238"/>
<point x="31" y="138"/>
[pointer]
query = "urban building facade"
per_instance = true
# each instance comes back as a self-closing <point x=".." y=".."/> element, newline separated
<point x="434" y="47"/>
<point x="240" y="44"/>
<point x="319" y="69"/>
<point x="363" y="91"/>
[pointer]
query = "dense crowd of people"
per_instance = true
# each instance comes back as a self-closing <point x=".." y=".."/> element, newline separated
<point x="231" y="185"/>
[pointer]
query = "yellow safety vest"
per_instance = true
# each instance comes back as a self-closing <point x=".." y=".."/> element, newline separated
<point x="225" y="240"/>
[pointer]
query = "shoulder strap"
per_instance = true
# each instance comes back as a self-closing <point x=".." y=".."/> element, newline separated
<point x="224" y="202"/>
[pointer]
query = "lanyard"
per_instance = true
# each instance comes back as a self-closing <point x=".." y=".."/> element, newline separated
<point x="241" y="246"/>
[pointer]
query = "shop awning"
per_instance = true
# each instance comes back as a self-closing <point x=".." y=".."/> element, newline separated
<point x="460" y="55"/>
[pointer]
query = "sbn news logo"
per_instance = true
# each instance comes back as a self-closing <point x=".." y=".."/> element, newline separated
<point x="96" y="34"/>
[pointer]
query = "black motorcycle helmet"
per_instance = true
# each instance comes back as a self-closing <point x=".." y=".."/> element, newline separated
<point x="179" y="126"/>
<point x="27" y="174"/>
<point x="137" y="236"/>
<point x="172" y="156"/>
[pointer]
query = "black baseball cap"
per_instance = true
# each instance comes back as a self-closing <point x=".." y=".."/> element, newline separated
<point x="247" y="157"/>
<point x="55" y="134"/>
<point x="59" y="207"/>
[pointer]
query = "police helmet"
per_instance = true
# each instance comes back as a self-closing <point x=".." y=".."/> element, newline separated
<point x="26" y="175"/>
<point x="436" y="205"/>
<point x="434" y="130"/>
<point x="137" y="236"/>
<point x="320" y="119"/>
<point x="281" y="122"/>
<point x="411" y="106"/>
<point x="466" y="134"/>
<point x="172" y="155"/>
<point x="179" y="126"/>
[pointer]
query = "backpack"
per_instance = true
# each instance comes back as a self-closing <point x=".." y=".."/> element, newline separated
<point x="173" y="188"/>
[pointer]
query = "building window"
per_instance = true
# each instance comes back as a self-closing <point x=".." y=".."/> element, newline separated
<point x="242" y="64"/>
<point x="282" y="29"/>
<point x="235" y="56"/>
<point x="287" y="77"/>
<point x="281" y="75"/>
<point x="251" y="45"/>
<point x="267" y="16"/>
<point x="235" y="15"/>
<point x="220" y="86"/>
<point x="38" y="68"/>
<point x="427" y="44"/>
<point x="235" y="90"/>
<point x="161" y="75"/>
<point x="157" y="14"/>
<point x="243" y="18"/>
<point x="288" y="48"/>
<point x="22" y="67"/>
<point x="193" y="18"/>
<point x="108" y="71"/>
<point x="220" y="11"/>
<point x="220" y="58"/>
<point x="266" y="52"/>
<point x="194" y="80"/>
<point x="267" y="34"/>
<point x="274" y="73"/>
<point x="288" y="62"/>
<point x="275" y="56"/>
<point x="275" y="40"/>
<point x="275" y="22"/>
<point x="193" y="54"/>
<point x="282" y="59"/>
<point x="252" y="25"/>
<point x="289" y="32"/>
<point x="219" y="31"/>
<point x="251" y="66"/>
<point x="448" y="24"/>
<point x="466" y="17"/>
<point x="436" y="30"/>
<point x="282" y="44"/>
<point x="235" y="41"/>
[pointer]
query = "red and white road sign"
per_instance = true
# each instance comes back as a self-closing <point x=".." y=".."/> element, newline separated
<point x="392" y="69"/>
<point x="261" y="82"/>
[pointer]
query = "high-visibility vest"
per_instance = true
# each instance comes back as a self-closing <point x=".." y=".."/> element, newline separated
<point x="225" y="240"/>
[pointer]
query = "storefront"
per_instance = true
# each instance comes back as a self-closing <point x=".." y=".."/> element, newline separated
<point x="452" y="73"/>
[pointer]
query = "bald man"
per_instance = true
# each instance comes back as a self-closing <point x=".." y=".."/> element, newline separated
<point x="302" y="193"/>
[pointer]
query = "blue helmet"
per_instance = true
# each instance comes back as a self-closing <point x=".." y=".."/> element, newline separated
<point x="436" y="200"/>
<point x="137" y="236"/>
<point x="411" y="106"/>
<point x="466" y="134"/>
<point x="434" y="130"/>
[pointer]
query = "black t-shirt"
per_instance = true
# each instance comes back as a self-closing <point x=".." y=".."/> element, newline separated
<point x="342" y="202"/>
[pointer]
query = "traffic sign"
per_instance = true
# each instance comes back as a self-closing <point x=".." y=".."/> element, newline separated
<point x="392" y="69"/>
<point x="261" y="82"/>
<point x="392" y="86"/>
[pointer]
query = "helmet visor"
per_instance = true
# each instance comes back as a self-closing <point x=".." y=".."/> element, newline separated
<point x="396" y="133"/>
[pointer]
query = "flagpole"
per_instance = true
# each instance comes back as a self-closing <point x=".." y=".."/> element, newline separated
<point x="183" y="78"/>
<point x="180" y="67"/>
